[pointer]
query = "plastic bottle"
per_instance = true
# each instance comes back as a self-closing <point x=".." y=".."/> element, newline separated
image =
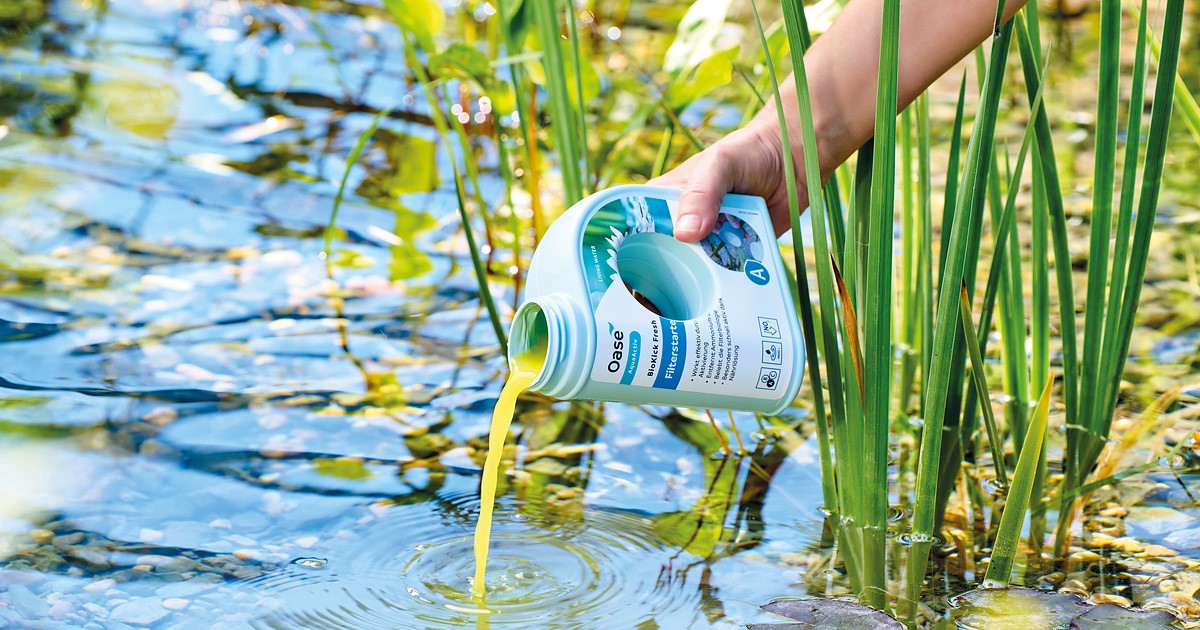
<point x="619" y="310"/>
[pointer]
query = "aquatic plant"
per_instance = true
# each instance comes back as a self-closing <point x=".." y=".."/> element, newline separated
<point x="861" y="401"/>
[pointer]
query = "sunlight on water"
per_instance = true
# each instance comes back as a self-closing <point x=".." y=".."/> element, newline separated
<point x="36" y="477"/>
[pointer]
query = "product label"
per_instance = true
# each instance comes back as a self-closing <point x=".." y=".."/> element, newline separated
<point x="734" y="337"/>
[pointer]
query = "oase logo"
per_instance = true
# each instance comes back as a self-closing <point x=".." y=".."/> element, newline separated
<point x="618" y="348"/>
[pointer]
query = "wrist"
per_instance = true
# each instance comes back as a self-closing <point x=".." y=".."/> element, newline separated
<point x="829" y="131"/>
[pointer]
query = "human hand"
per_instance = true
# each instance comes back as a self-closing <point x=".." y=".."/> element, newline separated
<point x="748" y="161"/>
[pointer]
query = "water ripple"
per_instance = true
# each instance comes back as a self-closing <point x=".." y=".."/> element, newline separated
<point x="412" y="568"/>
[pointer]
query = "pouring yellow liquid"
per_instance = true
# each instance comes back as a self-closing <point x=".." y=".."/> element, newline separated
<point x="523" y="372"/>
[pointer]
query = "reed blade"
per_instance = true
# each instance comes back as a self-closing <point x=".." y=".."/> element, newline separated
<point x="829" y="320"/>
<point x="1048" y="184"/>
<point x="1120" y="262"/>
<point x="563" y="123"/>
<point x="947" y="329"/>
<point x="1008" y="536"/>
<point x="355" y="153"/>
<point x="1104" y="171"/>
<point x="995" y="441"/>
<point x="952" y="175"/>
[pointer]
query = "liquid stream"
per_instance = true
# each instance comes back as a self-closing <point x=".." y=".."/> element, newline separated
<point x="524" y="371"/>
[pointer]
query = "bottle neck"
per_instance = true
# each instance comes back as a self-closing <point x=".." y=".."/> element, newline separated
<point x="550" y="337"/>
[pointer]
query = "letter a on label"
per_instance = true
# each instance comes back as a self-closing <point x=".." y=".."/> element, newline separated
<point x="757" y="272"/>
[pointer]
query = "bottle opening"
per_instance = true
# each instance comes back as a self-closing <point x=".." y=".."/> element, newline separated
<point x="666" y="276"/>
<point x="529" y="340"/>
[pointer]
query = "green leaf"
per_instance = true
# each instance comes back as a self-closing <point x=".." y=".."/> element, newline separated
<point x="423" y="19"/>
<point x="407" y="262"/>
<point x="590" y="79"/>
<point x="342" y="468"/>
<point x="1009" y="534"/>
<point x="462" y="62"/>
<point x="712" y="73"/>
<point x="515" y="14"/>
<point x="351" y="259"/>
<point x="410" y="166"/>
<point x="697" y="35"/>
<point x="985" y="403"/>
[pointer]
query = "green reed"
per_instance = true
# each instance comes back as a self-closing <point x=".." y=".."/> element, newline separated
<point x="1113" y="295"/>
<point x="999" y="569"/>
<point x="566" y="121"/>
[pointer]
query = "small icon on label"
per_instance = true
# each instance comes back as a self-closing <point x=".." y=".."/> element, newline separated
<point x="768" y="378"/>
<point x="768" y="327"/>
<point x="757" y="272"/>
<point x="772" y="352"/>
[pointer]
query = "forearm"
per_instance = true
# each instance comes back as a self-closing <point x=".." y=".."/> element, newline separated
<point x="843" y="67"/>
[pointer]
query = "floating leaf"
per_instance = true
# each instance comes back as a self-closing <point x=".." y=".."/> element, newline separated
<point x="351" y="259"/>
<point x="1016" y="609"/>
<point x="826" y="613"/>
<point x="407" y="262"/>
<point x="342" y="468"/>
<point x="1023" y="608"/>
<point x="1114" y="617"/>
<point x="144" y="108"/>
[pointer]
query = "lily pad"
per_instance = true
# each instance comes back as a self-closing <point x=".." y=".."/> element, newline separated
<point x="1114" y="617"/>
<point x="1016" y="608"/>
<point x="826" y="613"/>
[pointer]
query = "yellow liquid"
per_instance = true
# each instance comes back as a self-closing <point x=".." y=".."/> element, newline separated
<point x="525" y="369"/>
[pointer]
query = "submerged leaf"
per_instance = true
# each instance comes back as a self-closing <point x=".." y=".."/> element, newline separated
<point x="1016" y="608"/>
<point x="1114" y="617"/>
<point x="828" y="613"/>
<point x="409" y="166"/>
<point x="1023" y="608"/>
<point x="350" y="259"/>
<point x="342" y="468"/>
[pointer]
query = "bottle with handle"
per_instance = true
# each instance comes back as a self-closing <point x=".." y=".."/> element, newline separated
<point x="617" y="309"/>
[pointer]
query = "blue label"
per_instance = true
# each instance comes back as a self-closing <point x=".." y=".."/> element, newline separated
<point x="674" y="352"/>
<point x="635" y="351"/>
<point x="757" y="272"/>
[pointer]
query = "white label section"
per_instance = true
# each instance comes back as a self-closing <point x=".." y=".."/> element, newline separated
<point x="740" y="346"/>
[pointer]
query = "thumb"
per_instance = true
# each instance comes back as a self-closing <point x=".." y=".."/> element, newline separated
<point x="701" y="198"/>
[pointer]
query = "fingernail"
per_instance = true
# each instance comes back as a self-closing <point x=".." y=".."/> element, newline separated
<point x="688" y="223"/>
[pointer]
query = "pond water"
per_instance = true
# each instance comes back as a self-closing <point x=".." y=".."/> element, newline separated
<point x="199" y="428"/>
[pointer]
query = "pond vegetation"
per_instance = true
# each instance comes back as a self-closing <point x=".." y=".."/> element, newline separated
<point x="258" y="261"/>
